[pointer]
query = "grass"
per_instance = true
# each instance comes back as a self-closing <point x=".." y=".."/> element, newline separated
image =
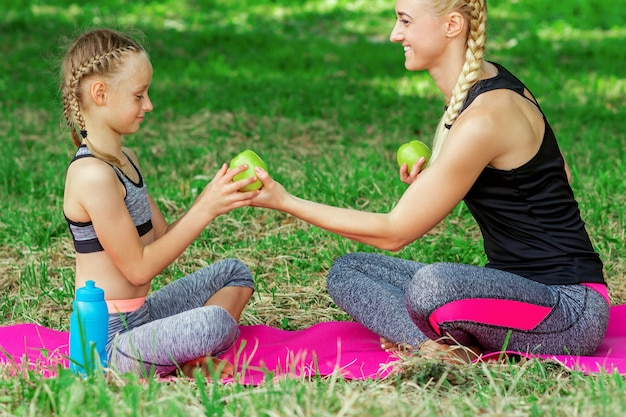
<point x="318" y="91"/>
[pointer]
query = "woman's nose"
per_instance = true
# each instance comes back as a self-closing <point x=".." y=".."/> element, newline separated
<point x="395" y="35"/>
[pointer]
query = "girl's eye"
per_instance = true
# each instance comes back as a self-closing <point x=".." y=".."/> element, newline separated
<point x="140" y="97"/>
<point x="403" y="21"/>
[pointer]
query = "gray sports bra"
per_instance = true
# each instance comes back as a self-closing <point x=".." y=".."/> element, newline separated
<point x="83" y="233"/>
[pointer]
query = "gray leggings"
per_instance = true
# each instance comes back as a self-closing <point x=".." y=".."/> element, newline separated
<point x="174" y="326"/>
<point x="410" y="302"/>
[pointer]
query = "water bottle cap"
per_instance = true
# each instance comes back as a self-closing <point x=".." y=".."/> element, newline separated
<point x="90" y="292"/>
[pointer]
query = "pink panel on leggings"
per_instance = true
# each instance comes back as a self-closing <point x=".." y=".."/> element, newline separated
<point x="600" y="289"/>
<point x="504" y="313"/>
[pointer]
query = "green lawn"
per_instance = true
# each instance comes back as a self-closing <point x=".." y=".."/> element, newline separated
<point x="316" y="88"/>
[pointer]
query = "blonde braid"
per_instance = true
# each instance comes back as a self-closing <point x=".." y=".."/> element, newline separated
<point x="97" y="65"/>
<point x="97" y="52"/>
<point x="70" y="110"/>
<point x="471" y="72"/>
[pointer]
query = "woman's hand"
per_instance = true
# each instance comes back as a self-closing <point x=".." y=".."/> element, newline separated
<point x="272" y="195"/>
<point x="408" y="177"/>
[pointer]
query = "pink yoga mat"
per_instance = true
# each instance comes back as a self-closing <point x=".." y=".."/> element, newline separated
<point x="345" y="348"/>
<point x="609" y="357"/>
<point x="262" y="352"/>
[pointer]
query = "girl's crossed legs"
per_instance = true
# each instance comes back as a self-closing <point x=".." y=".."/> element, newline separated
<point x="189" y="319"/>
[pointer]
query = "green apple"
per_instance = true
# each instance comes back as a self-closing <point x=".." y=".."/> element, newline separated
<point x="409" y="153"/>
<point x="253" y="160"/>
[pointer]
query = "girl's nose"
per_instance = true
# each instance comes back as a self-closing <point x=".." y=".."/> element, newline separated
<point x="147" y="105"/>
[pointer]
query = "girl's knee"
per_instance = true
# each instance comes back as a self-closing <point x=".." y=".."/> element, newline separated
<point x="238" y="272"/>
<point x="236" y="266"/>
<point x="218" y="314"/>
<point x="218" y="326"/>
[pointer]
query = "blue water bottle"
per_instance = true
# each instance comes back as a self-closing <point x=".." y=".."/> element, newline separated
<point x="89" y="330"/>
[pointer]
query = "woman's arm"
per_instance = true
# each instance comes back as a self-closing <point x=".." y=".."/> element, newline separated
<point x="568" y="173"/>
<point x="431" y="196"/>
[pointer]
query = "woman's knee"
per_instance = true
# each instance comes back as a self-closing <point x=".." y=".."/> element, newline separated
<point x="341" y="268"/>
<point x="430" y="287"/>
<point x="349" y="260"/>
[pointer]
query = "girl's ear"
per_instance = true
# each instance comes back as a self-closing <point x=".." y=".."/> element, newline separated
<point x="455" y="24"/>
<point x="97" y="91"/>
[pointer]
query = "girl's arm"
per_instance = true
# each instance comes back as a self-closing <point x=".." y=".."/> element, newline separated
<point x="159" y="224"/>
<point x="102" y="198"/>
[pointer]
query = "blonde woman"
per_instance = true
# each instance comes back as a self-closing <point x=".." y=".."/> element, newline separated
<point x="543" y="289"/>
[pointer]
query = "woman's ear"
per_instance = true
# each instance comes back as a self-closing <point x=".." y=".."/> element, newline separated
<point x="97" y="91"/>
<point x="455" y="24"/>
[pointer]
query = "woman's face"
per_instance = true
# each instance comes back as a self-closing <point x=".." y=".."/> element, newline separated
<point x="421" y="32"/>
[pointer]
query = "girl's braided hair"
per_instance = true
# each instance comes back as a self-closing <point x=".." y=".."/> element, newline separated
<point x="95" y="52"/>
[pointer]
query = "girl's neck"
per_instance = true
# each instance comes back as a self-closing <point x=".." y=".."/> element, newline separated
<point x="110" y="145"/>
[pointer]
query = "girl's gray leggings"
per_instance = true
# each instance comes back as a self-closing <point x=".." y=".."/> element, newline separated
<point x="174" y="326"/>
<point x="410" y="302"/>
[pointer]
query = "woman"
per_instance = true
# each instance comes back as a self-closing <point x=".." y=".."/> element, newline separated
<point x="543" y="289"/>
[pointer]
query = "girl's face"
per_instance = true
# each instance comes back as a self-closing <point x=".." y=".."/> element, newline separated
<point x="127" y="100"/>
<point x="421" y="32"/>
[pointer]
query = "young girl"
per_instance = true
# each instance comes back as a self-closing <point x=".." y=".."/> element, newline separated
<point x="122" y="240"/>
<point x="543" y="289"/>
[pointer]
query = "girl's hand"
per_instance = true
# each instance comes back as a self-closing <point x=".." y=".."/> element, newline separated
<point x="222" y="195"/>
<point x="408" y="177"/>
<point x="272" y="194"/>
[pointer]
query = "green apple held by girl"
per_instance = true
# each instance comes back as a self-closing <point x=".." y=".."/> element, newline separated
<point x="252" y="160"/>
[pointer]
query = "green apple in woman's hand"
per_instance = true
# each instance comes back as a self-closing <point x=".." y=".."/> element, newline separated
<point x="253" y="160"/>
<point x="410" y="152"/>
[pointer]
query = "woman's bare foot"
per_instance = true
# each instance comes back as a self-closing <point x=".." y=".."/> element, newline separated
<point x="388" y="346"/>
<point x="209" y="367"/>
<point x="453" y="354"/>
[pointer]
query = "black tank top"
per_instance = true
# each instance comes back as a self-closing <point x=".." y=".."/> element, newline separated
<point x="529" y="219"/>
